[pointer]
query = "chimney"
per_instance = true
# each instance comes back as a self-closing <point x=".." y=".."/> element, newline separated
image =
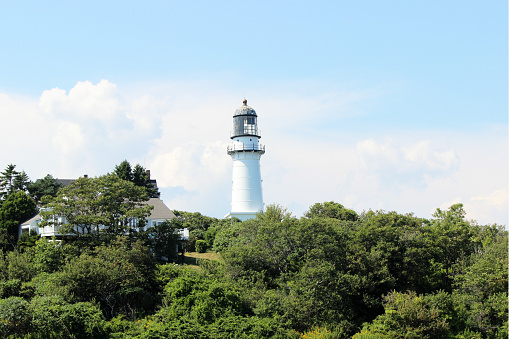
<point x="85" y="176"/>
<point x="148" y="173"/>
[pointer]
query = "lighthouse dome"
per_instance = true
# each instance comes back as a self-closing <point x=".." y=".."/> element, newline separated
<point x="245" y="110"/>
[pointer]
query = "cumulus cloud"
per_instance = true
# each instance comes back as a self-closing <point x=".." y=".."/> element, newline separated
<point x="87" y="130"/>
<point x="180" y="132"/>
<point x="394" y="165"/>
<point x="85" y="101"/>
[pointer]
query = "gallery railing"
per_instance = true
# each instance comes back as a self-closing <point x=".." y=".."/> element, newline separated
<point x="246" y="148"/>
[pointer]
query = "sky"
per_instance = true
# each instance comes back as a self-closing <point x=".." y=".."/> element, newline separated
<point x="383" y="105"/>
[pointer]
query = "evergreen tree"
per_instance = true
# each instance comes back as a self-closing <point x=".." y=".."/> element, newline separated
<point x="45" y="186"/>
<point x="7" y="178"/>
<point x="137" y="175"/>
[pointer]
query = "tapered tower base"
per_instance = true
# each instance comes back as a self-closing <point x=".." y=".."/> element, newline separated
<point x="241" y="216"/>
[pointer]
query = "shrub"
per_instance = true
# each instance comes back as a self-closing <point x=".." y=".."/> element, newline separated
<point x="54" y="317"/>
<point x="10" y="288"/>
<point x="201" y="246"/>
<point x="14" y="316"/>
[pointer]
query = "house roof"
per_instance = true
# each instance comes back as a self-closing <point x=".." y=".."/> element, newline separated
<point x="160" y="211"/>
<point x="65" y="182"/>
<point x="31" y="220"/>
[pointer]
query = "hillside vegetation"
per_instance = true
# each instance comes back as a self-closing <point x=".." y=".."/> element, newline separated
<point x="332" y="273"/>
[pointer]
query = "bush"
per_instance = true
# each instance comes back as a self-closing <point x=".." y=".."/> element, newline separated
<point x="201" y="246"/>
<point x="14" y="316"/>
<point x="55" y="318"/>
<point x="20" y="266"/>
<point x="10" y="288"/>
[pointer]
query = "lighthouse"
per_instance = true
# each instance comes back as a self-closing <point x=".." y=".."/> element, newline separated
<point x="246" y="152"/>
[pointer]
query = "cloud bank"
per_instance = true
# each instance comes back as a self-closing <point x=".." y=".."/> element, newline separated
<point x="180" y="132"/>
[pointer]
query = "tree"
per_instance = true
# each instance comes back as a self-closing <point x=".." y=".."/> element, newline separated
<point x="453" y="237"/>
<point x="89" y="207"/>
<point x="274" y="212"/>
<point x="120" y="276"/>
<point x="408" y="315"/>
<point x="7" y="180"/>
<point x="196" y="223"/>
<point x="18" y="207"/>
<point x="331" y="209"/>
<point x="45" y="186"/>
<point x="124" y="171"/>
<point x="21" y="182"/>
<point x="137" y="175"/>
<point x="164" y="239"/>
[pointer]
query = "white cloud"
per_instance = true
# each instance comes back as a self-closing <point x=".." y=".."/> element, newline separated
<point x="85" y="101"/>
<point x="67" y="137"/>
<point x="88" y="130"/>
<point x="180" y="132"/>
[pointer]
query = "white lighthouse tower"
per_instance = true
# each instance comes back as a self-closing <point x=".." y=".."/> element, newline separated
<point x="246" y="151"/>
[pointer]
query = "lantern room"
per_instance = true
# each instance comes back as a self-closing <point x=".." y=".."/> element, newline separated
<point x="244" y="122"/>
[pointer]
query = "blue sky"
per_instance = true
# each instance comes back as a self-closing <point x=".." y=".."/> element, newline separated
<point x="394" y="105"/>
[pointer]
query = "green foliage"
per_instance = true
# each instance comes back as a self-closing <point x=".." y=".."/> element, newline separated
<point x="331" y="209"/>
<point x="481" y="284"/>
<point x="53" y="317"/>
<point x="203" y="299"/>
<point x="210" y="235"/>
<point x="14" y="316"/>
<point x="45" y="186"/>
<point x="124" y="171"/>
<point x="138" y="176"/>
<point x="198" y="225"/>
<point x="21" y="182"/>
<point x="274" y="213"/>
<point x="485" y="272"/>
<point x="226" y="235"/>
<point x="201" y="246"/>
<point x="164" y="239"/>
<point x="10" y="288"/>
<point x="165" y="273"/>
<point x="105" y="205"/>
<point x="407" y="316"/>
<point x="7" y="178"/>
<point x="382" y="275"/>
<point x="48" y="255"/>
<point x="27" y="240"/>
<point x="18" y="207"/>
<point x="453" y="238"/>
<point x="119" y="276"/>
<point x="20" y="266"/>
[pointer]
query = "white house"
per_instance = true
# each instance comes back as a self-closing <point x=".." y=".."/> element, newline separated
<point x="158" y="215"/>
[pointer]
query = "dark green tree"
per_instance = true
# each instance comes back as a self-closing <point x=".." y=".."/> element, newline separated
<point x="408" y="316"/>
<point x="331" y="209"/>
<point x="7" y="178"/>
<point x="45" y="186"/>
<point x="119" y="276"/>
<point x="18" y="207"/>
<point x="164" y="239"/>
<point x="124" y="171"/>
<point x="21" y="182"/>
<point x="141" y="178"/>
<point x="137" y="175"/>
